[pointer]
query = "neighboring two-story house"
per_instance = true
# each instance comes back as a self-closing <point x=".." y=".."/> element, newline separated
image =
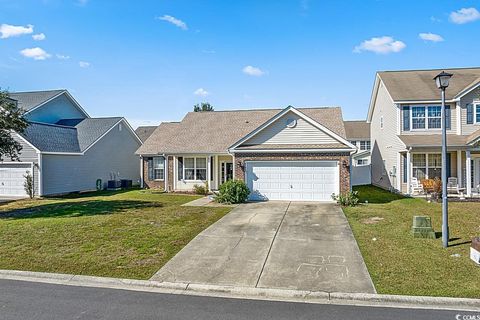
<point x="358" y="133"/>
<point x="405" y="118"/>
<point x="66" y="150"/>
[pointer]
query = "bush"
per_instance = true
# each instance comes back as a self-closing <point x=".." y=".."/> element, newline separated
<point x="28" y="184"/>
<point x="201" y="189"/>
<point x="233" y="191"/>
<point x="347" y="199"/>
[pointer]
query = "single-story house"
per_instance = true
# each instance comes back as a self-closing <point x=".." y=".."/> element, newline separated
<point x="281" y="154"/>
<point x="66" y="150"/>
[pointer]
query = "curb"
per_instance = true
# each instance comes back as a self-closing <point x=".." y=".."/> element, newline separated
<point x="337" y="298"/>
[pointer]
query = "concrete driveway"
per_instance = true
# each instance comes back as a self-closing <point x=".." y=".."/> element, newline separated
<point x="287" y="245"/>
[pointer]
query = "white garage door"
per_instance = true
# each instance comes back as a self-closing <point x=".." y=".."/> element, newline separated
<point x="292" y="180"/>
<point x="12" y="179"/>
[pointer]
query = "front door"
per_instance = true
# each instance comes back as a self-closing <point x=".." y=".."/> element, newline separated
<point x="227" y="171"/>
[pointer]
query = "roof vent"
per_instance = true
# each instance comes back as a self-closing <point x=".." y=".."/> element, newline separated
<point x="291" y="122"/>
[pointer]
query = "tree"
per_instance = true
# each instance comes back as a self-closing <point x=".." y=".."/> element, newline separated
<point x="11" y="120"/>
<point x="204" y="106"/>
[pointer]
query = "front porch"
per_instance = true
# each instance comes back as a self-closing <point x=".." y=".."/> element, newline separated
<point x="420" y="164"/>
<point x="181" y="172"/>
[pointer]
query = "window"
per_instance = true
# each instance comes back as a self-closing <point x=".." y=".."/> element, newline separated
<point x="419" y="164"/>
<point x="434" y="166"/>
<point x="353" y="142"/>
<point x="477" y="113"/>
<point x="189" y="168"/>
<point x="364" y="145"/>
<point x="362" y="162"/>
<point x="428" y="117"/>
<point x="381" y="122"/>
<point x="201" y="169"/>
<point x="428" y="166"/>
<point x="435" y="117"/>
<point x="156" y="168"/>
<point x="193" y="168"/>
<point x="418" y="117"/>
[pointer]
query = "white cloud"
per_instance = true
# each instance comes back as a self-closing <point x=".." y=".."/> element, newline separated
<point x="177" y="22"/>
<point x="464" y="15"/>
<point x="201" y="92"/>
<point x="253" y="71"/>
<point x="431" y="37"/>
<point x="381" y="45"/>
<point x="8" y="30"/>
<point x="39" y="37"/>
<point x="84" y="64"/>
<point x="35" y="53"/>
<point x="62" y="57"/>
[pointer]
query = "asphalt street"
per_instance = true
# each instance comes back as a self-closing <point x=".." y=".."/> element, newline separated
<point x="29" y="300"/>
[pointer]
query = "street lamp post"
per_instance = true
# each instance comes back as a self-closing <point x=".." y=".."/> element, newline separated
<point x="442" y="81"/>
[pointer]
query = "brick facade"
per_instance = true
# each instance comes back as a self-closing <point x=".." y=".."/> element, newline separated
<point x="342" y="157"/>
<point x="158" y="184"/>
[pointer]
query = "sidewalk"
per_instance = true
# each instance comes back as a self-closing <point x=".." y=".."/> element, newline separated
<point x="376" y="300"/>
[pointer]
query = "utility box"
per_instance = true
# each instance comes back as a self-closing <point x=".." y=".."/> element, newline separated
<point x="422" y="227"/>
<point x="475" y="250"/>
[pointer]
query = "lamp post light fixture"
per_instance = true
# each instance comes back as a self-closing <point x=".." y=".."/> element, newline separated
<point x="442" y="81"/>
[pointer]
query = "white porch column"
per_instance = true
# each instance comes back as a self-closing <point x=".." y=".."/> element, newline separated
<point x="141" y="172"/>
<point x="468" y="175"/>
<point x="459" y="168"/>
<point x="409" y="172"/>
<point x="216" y="177"/>
<point x="234" y="165"/>
<point x="209" y="172"/>
<point x="165" y="173"/>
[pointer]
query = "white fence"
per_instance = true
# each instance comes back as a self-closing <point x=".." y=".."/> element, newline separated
<point x="361" y="175"/>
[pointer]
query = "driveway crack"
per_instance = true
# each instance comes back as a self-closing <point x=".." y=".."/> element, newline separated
<point x="271" y="244"/>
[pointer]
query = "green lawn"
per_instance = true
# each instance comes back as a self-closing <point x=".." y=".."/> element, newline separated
<point x="400" y="264"/>
<point x="118" y="234"/>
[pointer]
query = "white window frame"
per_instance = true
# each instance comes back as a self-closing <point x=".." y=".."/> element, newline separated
<point x="195" y="168"/>
<point x="475" y="105"/>
<point x="426" y="163"/>
<point x="154" y="168"/>
<point x="426" y="117"/>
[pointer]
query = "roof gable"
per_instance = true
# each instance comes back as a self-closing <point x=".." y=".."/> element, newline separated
<point x="292" y="127"/>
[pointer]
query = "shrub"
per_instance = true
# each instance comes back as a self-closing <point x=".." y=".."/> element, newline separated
<point x="347" y="199"/>
<point x="201" y="189"/>
<point x="232" y="191"/>
<point x="28" y="184"/>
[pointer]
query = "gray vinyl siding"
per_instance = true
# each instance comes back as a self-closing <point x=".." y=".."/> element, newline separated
<point x="453" y="125"/>
<point x="114" y="153"/>
<point x="469" y="98"/>
<point x="279" y="133"/>
<point x="59" y="108"/>
<point x="385" y="143"/>
<point x="27" y="154"/>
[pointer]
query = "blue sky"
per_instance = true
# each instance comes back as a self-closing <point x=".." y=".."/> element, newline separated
<point x="150" y="61"/>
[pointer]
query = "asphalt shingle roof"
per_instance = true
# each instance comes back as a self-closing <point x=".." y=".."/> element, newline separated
<point x="418" y="85"/>
<point x="216" y="131"/>
<point x="144" y="132"/>
<point x="29" y="100"/>
<point x="61" y="137"/>
<point x="358" y="129"/>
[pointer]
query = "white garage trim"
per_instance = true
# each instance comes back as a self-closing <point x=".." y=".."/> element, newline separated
<point x="307" y="180"/>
